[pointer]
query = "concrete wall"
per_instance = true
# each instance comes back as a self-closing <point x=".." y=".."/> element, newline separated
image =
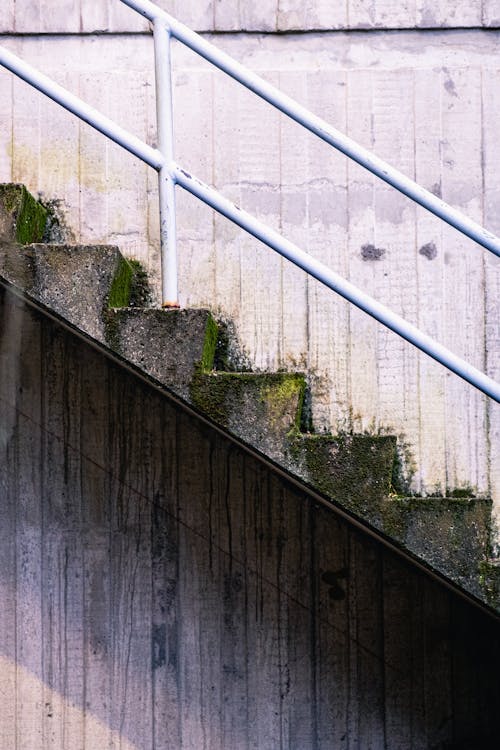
<point x="75" y="16"/>
<point x="162" y="588"/>
<point x="424" y="96"/>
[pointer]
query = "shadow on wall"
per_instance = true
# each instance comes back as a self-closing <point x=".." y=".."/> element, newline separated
<point x="160" y="587"/>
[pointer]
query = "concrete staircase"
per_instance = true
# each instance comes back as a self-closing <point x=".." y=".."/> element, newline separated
<point x="106" y="296"/>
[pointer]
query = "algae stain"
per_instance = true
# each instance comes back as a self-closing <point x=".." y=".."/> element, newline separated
<point x="286" y="389"/>
<point x="130" y="287"/>
<point x="119" y="293"/>
<point x="28" y="215"/>
<point x="209" y="345"/>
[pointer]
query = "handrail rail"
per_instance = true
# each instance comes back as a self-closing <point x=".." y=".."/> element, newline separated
<point x="171" y="174"/>
<point x="316" y="125"/>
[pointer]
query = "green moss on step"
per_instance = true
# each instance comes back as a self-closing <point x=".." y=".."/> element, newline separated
<point x="210" y="395"/>
<point x="280" y="392"/>
<point x="221" y="356"/>
<point x="209" y="345"/>
<point x="461" y="492"/>
<point x="130" y="287"/>
<point x="221" y="395"/>
<point x="394" y="511"/>
<point x="451" y="534"/>
<point x="216" y="395"/>
<point x="398" y="513"/>
<point x="29" y="216"/>
<point x="119" y="293"/>
<point x="354" y="470"/>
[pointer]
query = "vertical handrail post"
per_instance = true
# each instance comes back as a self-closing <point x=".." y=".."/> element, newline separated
<point x="166" y="182"/>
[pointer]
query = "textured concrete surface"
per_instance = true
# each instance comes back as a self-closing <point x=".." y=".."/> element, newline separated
<point x="73" y="280"/>
<point x="170" y="345"/>
<point x="260" y="408"/>
<point x="424" y="99"/>
<point x="451" y="534"/>
<point x="22" y="218"/>
<point x="354" y="470"/>
<point x="179" y="348"/>
<point x="160" y="586"/>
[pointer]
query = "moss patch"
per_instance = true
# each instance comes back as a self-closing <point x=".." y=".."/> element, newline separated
<point x="130" y="287"/>
<point x="140" y="291"/>
<point x="222" y="396"/>
<point x="452" y="534"/>
<point x="277" y="394"/>
<point x="400" y="512"/>
<point x="219" y="394"/>
<point x="209" y="345"/>
<point x="395" y="517"/>
<point x="354" y="470"/>
<point x="28" y="215"/>
<point x="119" y="293"/>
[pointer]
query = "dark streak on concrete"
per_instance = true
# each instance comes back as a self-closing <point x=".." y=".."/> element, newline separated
<point x="158" y="645"/>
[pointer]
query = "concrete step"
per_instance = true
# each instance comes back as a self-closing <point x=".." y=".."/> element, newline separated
<point x="452" y="534"/>
<point x="80" y="282"/>
<point x="354" y="470"/>
<point x="260" y="408"/>
<point x="178" y="348"/>
<point x="75" y="281"/>
<point x="99" y="291"/>
<point x="170" y="345"/>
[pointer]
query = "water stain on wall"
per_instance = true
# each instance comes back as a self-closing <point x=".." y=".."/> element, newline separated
<point x="370" y="252"/>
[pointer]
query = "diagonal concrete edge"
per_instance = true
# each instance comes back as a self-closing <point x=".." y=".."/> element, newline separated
<point x="311" y="494"/>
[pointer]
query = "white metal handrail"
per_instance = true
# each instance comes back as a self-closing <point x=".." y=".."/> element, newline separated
<point x="171" y="174"/>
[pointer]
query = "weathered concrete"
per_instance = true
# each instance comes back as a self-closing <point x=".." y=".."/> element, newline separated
<point x="426" y="101"/>
<point x="171" y="346"/>
<point x="162" y="587"/>
<point x="451" y="534"/>
<point x="354" y="470"/>
<point x="80" y="282"/>
<point x="73" y="280"/>
<point x="22" y="218"/>
<point x="260" y="408"/>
